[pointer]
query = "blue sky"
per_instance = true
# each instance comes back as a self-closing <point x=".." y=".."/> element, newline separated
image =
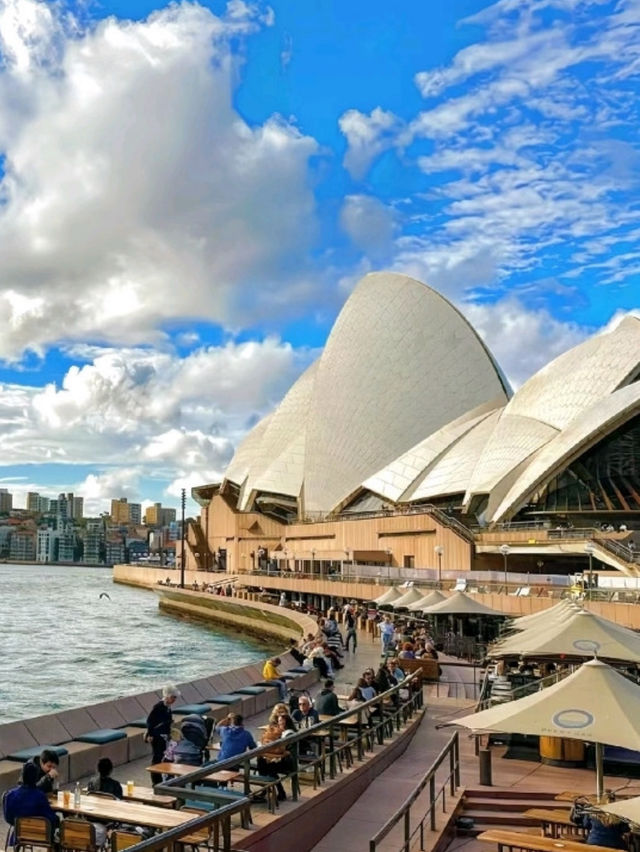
<point x="190" y="192"/>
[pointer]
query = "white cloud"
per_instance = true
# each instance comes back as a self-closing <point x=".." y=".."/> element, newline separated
<point x="369" y="223"/>
<point x="522" y="340"/>
<point x="367" y="136"/>
<point x="152" y="198"/>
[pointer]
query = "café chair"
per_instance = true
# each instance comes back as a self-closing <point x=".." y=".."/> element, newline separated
<point x="33" y="833"/>
<point x="77" y="835"/>
<point x="123" y="839"/>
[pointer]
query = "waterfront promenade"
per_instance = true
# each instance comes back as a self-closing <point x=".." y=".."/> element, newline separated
<point x="391" y="787"/>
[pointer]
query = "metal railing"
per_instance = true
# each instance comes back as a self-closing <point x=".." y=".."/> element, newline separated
<point x="389" y="711"/>
<point x="450" y="752"/>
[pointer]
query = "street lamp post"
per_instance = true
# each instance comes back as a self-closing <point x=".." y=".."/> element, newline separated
<point x="313" y="556"/>
<point x="590" y="550"/>
<point x="389" y="554"/>
<point x="504" y="550"/>
<point x="183" y="504"/>
<point x="439" y="550"/>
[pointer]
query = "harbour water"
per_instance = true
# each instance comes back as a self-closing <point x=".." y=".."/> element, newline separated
<point x="63" y="645"/>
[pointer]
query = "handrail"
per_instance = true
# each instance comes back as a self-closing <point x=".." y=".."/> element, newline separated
<point x="221" y="817"/>
<point x="450" y="750"/>
<point x="618" y="549"/>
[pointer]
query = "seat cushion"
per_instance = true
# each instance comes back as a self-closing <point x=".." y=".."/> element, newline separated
<point x="297" y="670"/>
<point x="251" y="690"/>
<point x="226" y="698"/>
<point x="102" y="735"/>
<point x="188" y="709"/>
<point x="138" y="723"/>
<point x="29" y="753"/>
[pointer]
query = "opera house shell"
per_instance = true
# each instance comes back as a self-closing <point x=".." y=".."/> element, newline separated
<point x="406" y="405"/>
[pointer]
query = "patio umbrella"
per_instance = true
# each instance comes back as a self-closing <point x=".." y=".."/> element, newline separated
<point x="628" y="809"/>
<point x="594" y="704"/>
<point x="577" y="634"/>
<point x="389" y="596"/>
<point x="461" y="604"/>
<point x="410" y="596"/>
<point x="524" y="622"/>
<point x="431" y="599"/>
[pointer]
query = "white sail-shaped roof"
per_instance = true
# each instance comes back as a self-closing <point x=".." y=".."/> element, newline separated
<point x="551" y="399"/>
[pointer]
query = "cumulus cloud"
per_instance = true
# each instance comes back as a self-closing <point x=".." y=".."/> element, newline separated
<point x="367" y="136"/>
<point x="522" y="340"/>
<point x="152" y="198"/>
<point x="369" y="223"/>
<point x="144" y="412"/>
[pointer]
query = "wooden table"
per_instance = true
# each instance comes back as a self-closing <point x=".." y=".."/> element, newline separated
<point x="222" y="776"/>
<point x="556" y="823"/>
<point x="534" y="842"/>
<point x="102" y="809"/>
<point x="148" y="797"/>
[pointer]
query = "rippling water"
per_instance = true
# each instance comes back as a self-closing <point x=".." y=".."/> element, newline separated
<point x="64" y="646"/>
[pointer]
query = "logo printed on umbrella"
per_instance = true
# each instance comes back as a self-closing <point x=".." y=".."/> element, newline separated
<point x="572" y="718"/>
<point x="588" y="645"/>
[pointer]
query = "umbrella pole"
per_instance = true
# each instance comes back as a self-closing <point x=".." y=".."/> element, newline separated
<point x="600" y="770"/>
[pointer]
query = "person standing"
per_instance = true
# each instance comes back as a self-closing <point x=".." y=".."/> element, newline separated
<point x="352" y="633"/>
<point x="159" y="727"/>
<point x="387" y="631"/>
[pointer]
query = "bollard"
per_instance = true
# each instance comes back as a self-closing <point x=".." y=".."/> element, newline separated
<point x="484" y="757"/>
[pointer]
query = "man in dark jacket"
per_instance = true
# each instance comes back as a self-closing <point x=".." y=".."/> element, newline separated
<point x="159" y="727"/>
<point x="46" y="766"/>
<point x="327" y="701"/>
<point x="234" y="737"/>
<point x="27" y="800"/>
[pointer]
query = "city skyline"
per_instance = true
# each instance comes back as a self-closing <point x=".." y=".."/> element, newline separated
<point x="216" y="177"/>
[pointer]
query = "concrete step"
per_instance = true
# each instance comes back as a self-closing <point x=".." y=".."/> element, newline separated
<point x="509" y="793"/>
<point x="510" y="805"/>
<point x="492" y="818"/>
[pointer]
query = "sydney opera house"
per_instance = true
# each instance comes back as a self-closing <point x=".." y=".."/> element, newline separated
<point x="403" y="444"/>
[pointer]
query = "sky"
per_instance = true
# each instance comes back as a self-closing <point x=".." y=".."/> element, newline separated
<point x="189" y="192"/>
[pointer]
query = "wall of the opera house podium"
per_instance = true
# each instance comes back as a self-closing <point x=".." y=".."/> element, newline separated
<point x="389" y="540"/>
<point x="627" y="614"/>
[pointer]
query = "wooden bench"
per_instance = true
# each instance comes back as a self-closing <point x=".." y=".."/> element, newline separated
<point x="557" y="823"/>
<point x="510" y="840"/>
<point x="426" y="666"/>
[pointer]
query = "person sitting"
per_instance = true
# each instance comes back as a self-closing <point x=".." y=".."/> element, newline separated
<point x="270" y="672"/>
<point x="327" y="701"/>
<point x="320" y="661"/>
<point x="275" y="761"/>
<point x="102" y="782"/>
<point x="604" y="829"/>
<point x="355" y="699"/>
<point x="295" y="652"/>
<point x="190" y="749"/>
<point x="407" y="652"/>
<point x="286" y="725"/>
<point x="305" y="715"/>
<point x="27" y="800"/>
<point x="367" y="685"/>
<point x="46" y="765"/>
<point x="278" y="710"/>
<point x="234" y="737"/>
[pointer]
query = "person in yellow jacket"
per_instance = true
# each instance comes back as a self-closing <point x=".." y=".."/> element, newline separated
<point x="270" y="672"/>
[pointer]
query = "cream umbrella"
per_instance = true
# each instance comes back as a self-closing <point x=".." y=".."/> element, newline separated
<point x="410" y="596"/>
<point x="431" y="599"/>
<point x="544" y="615"/>
<point x="594" y="704"/>
<point x="389" y="596"/>
<point x="578" y="634"/>
<point x="628" y="809"/>
<point x="461" y="604"/>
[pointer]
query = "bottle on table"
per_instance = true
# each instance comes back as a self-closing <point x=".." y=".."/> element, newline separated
<point x="76" y="795"/>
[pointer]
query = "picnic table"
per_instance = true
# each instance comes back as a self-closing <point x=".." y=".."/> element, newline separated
<point x="510" y="840"/>
<point x="222" y="776"/>
<point x="147" y="796"/>
<point x="556" y="823"/>
<point x="102" y="809"/>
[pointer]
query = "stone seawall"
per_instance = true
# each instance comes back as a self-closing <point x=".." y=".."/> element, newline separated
<point x="257" y="619"/>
